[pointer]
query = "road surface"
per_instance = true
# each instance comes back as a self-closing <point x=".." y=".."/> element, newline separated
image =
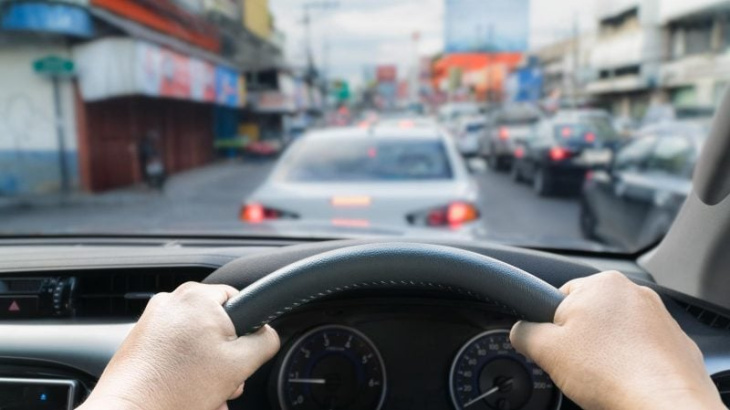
<point x="209" y="199"/>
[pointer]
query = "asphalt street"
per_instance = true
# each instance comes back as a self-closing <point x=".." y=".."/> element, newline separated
<point x="209" y="198"/>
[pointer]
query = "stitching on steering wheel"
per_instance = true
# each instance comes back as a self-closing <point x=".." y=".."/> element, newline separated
<point x="408" y="283"/>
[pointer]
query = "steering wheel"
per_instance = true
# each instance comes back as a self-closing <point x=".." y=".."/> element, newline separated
<point x="392" y="266"/>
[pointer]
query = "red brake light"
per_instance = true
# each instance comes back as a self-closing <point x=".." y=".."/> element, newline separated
<point x="503" y="133"/>
<point x="372" y="152"/>
<point x="453" y="215"/>
<point x="519" y="152"/>
<point x="257" y="213"/>
<point x="460" y="212"/>
<point x="590" y="137"/>
<point x="253" y="213"/>
<point x="566" y="132"/>
<point x="589" y="176"/>
<point x="406" y="124"/>
<point x="558" y="154"/>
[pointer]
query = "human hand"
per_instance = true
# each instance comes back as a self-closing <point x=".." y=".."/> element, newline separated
<point x="182" y="354"/>
<point x="613" y="345"/>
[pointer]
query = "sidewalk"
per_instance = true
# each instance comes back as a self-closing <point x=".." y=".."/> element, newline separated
<point x="176" y="185"/>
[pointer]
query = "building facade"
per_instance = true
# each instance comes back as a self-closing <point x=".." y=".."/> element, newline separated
<point x="135" y="66"/>
<point x="696" y="70"/>
<point x="626" y="56"/>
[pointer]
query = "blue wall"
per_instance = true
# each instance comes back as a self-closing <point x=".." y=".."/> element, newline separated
<point x="29" y="172"/>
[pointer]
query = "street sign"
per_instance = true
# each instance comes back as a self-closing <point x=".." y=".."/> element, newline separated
<point x="54" y="66"/>
<point x="57" y="68"/>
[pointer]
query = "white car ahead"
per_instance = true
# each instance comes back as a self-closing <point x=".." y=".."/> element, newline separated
<point x="384" y="176"/>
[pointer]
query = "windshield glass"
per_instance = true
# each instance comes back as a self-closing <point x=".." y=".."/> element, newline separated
<point x="187" y="117"/>
<point x="327" y="160"/>
<point x="589" y="130"/>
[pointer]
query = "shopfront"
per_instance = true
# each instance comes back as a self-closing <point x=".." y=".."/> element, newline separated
<point x="128" y="89"/>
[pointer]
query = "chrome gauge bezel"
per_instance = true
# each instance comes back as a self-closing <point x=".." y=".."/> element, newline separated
<point x="463" y="348"/>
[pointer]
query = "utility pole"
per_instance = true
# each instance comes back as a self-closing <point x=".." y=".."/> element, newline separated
<point x="307" y="22"/>
<point x="490" y="50"/>
<point x="576" y="62"/>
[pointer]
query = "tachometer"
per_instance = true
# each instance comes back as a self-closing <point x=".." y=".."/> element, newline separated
<point x="332" y="368"/>
<point x="488" y="374"/>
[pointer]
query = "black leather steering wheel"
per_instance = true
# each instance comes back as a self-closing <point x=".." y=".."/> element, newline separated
<point x="392" y="265"/>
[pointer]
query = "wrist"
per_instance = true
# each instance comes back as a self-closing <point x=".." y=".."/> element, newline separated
<point x="705" y="398"/>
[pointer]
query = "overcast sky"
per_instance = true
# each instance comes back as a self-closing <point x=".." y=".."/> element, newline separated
<point x="357" y="33"/>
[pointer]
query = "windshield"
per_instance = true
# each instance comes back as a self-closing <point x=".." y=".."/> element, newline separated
<point x="588" y="131"/>
<point x="361" y="160"/>
<point x="187" y="117"/>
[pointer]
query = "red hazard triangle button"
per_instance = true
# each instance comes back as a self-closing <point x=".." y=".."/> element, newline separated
<point x="14" y="307"/>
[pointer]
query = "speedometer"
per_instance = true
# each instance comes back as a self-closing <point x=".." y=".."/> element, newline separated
<point x="488" y="374"/>
<point x="332" y="368"/>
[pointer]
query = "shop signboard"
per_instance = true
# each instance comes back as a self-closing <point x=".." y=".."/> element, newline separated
<point x="119" y="67"/>
<point x="386" y="73"/>
<point x="47" y="17"/>
<point x="228" y="87"/>
<point x="202" y="80"/>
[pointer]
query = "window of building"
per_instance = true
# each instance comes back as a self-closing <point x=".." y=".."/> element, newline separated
<point x="677" y="42"/>
<point x="698" y="38"/>
<point x="719" y="92"/>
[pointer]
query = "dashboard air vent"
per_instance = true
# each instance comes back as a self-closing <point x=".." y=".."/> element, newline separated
<point x="125" y="293"/>
<point x="707" y="317"/>
<point x="722" y="381"/>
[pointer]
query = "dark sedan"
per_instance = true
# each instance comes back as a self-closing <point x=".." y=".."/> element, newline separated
<point x="633" y="202"/>
<point x="561" y="149"/>
<point x="506" y="127"/>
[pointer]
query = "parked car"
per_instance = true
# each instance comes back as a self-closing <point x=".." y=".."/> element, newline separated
<point x="559" y="150"/>
<point x="469" y="132"/>
<point x="382" y="176"/>
<point x="507" y="126"/>
<point x="634" y="201"/>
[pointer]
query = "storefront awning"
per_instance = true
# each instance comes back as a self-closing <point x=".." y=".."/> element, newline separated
<point x="136" y="30"/>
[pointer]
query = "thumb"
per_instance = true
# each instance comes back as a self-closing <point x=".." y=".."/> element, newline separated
<point x="253" y="350"/>
<point x="535" y="341"/>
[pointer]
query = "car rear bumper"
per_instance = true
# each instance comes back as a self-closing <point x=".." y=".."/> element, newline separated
<point x="502" y="148"/>
<point x="567" y="174"/>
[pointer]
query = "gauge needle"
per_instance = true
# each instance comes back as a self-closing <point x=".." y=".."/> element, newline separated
<point x="308" y="381"/>
<point x="487" y="393"/>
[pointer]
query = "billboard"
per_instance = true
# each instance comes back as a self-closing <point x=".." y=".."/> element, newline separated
<point x="486" y="25"/>
<point x="386" y="73"/>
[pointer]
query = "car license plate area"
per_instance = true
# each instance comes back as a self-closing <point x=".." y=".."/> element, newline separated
<point x="592" y="157"/>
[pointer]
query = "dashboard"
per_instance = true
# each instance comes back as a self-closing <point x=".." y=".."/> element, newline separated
<point x="413" y="352"/>
<point x="393" y="349"/>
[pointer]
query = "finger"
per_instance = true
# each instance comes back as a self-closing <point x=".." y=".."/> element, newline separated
<point x="236" y="394"/>
<point x="571" y="286"/>
<point x="219" y="293"/>
<point x="255" y="349"/>
<point x="534" y="340"/>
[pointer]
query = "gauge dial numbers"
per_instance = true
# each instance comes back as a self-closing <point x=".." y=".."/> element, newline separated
<point x="332" y="368"/>
<point x="488" y="374"/>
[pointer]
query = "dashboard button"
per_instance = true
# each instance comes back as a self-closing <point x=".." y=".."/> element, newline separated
<point x="18" y="306"/>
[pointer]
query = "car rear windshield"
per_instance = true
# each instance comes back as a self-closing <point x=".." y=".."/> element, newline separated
<point x="588" y="130"/>
<point x="343" y="160"/>
<point x="475" y="126"/>
<point x="518" y="115"/>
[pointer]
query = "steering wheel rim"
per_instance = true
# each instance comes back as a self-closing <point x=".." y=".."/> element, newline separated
<point x="387" y="266"/>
